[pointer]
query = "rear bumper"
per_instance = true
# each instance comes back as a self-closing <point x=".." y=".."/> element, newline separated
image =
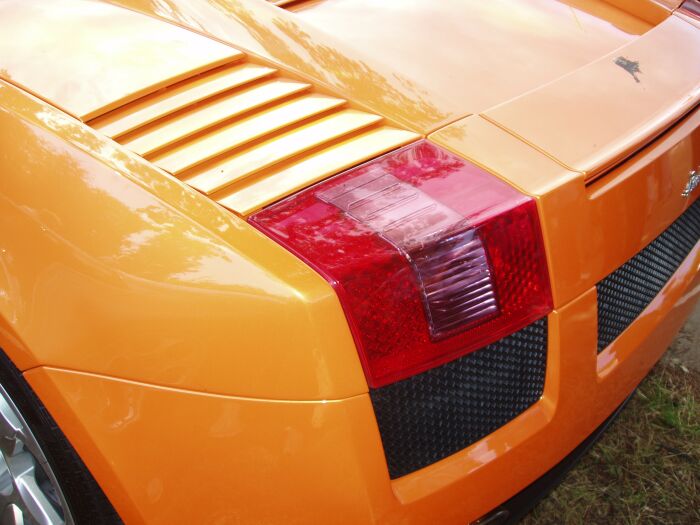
<point x="582" y="388"/>
<point x="513" y="510"/>
<point x="323" y="462"/>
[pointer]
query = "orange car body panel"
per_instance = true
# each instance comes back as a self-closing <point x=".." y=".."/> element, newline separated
<point x="322" y="462"/>
<point x="204" y="373"/>
<point x="168" y="248"/>
<point x="578" y="218"/>
<point x="500" y="52"/>
<point x="633" y="106"/>
<point x="96" y="56"/>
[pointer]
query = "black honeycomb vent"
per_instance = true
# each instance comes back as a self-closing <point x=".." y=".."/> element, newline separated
<point x="626" y="292"/>
<point x="434" y="414"/>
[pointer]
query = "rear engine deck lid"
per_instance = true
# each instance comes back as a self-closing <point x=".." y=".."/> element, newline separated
<point x="600" y="114"/>
<point x="422" y="64"/>
<point x="88" y="57"/>
<point x="466" y="56"/>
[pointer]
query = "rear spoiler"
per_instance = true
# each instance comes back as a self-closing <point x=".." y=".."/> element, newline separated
<point x="596" y="116"/>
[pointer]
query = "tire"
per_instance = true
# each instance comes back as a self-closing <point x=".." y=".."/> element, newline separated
<point x="65" y="480"/>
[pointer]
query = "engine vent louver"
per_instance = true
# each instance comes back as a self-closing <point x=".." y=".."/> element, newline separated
<point x="245" y="136"/>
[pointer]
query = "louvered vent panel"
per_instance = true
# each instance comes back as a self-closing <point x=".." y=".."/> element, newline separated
<point x="247" y="137"/>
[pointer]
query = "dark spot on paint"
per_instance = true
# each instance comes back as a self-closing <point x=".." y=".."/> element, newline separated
<point x="630" y="66"/>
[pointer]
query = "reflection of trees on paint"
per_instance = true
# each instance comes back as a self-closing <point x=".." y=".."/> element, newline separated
<point x="106" y="217"/>
<point x="337" y="69"/>
<point x="291" y="45"/>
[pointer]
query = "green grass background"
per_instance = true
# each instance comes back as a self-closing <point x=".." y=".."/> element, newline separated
<point x="646" y="468"/>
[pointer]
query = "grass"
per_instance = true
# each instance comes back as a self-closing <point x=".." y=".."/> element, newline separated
<point x="646" y="468"/>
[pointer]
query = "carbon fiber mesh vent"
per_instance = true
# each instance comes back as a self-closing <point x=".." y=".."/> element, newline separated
<point x="626" y="292"/>
<point x="432" y="415"/>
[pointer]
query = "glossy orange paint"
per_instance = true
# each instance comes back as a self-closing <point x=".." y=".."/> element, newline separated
<point x="247" y="136"/>
<point x="632" y="107"/>
<point x="590" y="229"/>
<point x="247" y="460"/>
<point x="203" y="373"/>
<point x="94" y="56"/>
<point x="507" y="48"/>
<point x="108" y="255"/>
<point x="322" y="462"/>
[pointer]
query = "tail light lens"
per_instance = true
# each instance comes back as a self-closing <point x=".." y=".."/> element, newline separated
<point x="692" y="8"/>
<point x="431" y="256"/>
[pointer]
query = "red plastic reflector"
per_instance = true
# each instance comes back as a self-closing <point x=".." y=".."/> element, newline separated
<point x="431" y="256"/>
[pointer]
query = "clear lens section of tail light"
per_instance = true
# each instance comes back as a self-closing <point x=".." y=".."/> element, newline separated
<point x="445" y="252"/>
<point x="692" y="8"/>
<point x="431" y="256"/>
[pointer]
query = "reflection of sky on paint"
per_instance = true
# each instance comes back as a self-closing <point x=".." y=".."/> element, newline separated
<point x="84" y="55"/>
<point x="216" y="269"/>
<point x="520" y="18"/>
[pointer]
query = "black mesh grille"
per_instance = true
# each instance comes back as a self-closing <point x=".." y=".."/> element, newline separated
<point x="429" y="416"/>
<point x="627" y="291"/>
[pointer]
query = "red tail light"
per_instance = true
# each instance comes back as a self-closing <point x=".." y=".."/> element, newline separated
<point x="431" y="256"/>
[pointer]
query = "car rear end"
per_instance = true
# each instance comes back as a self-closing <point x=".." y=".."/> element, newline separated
<point x="610" y="154"/>
<point x="409" y="325"/>
<point x="463" y="436"/>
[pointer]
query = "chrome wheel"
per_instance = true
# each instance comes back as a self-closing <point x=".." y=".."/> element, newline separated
<point x="29" y="491"/>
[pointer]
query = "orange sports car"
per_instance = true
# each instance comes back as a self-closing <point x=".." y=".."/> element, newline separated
<point x="333" y="261"/>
